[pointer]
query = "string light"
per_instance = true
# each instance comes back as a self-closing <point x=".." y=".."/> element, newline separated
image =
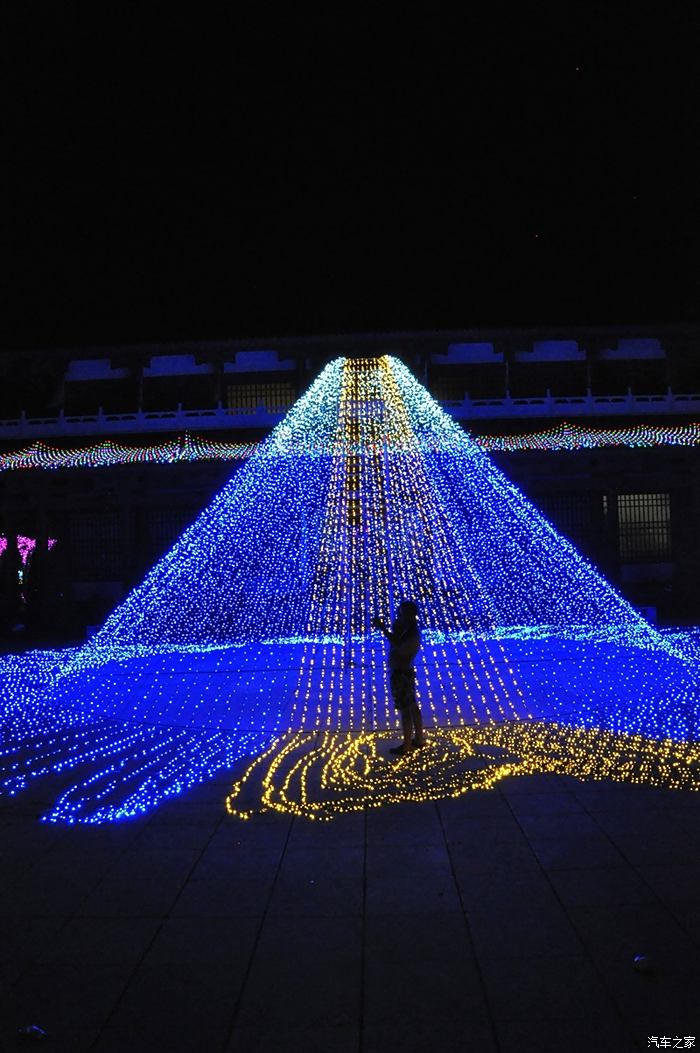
<point x="25" y="546"/>
<point x="251" y="637"/>
<point x="189" y="448"/>
<point x="354" y="771"/>
<point x="110" y="452"/>
<point x="567" y="436"/>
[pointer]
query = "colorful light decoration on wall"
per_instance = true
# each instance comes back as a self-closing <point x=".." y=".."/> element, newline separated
<point x="189" y="448"/>
<point x="251" y="637"/>
<point x="110" y="452"/>
<point x="565" y="436"/>
<point x="25" y="546"/>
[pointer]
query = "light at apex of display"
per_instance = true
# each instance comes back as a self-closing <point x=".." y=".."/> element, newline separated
<point x="189" y="448"/>
<point x="255" y="626"/>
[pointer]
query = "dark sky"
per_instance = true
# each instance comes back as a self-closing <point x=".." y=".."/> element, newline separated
<point x="186" y="177"/>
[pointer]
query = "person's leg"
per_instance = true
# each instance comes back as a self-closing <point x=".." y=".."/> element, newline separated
<point x="399" y="684"/>
<point x="414" y="710"/>
<point x="407" y="724"/>
<point x="416" y="720"/>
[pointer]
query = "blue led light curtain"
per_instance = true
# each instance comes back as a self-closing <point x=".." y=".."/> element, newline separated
<point x="367" y="489"/>
<point x="254" y="629"/>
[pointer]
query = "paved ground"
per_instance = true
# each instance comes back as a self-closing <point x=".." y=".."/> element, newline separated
<point x="508" y="920"/>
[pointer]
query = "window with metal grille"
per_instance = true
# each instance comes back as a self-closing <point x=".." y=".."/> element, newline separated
<point x="165" y="525"/>
<point x="448" y="389"/>
<point x="275" y="397"/>
<point x="645" y="526"/>
<point x="95" y="546"/>
<point x="576" y="516"/>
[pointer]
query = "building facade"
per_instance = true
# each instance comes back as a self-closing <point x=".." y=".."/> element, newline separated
<point x="107" y="454"/>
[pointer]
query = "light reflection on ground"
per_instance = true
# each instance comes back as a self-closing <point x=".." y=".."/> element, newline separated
<point x="315" y="721"/>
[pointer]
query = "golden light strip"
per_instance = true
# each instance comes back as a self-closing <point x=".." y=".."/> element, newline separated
<point x="351" y="771"/>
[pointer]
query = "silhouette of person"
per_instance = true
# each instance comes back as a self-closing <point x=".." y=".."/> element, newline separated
<point x="404" y="641"/>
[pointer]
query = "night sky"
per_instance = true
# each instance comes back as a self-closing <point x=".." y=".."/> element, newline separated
<point x="181" y="177"/>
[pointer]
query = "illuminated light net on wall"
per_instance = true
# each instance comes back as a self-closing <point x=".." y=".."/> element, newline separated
<point x="189" y="448"/>
<point x="250" y="638"/>
<point x="567" y="436"/>
<point x="109" y="452"/>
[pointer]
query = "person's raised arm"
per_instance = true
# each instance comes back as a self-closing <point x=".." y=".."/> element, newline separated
<point x="377" y="623"/>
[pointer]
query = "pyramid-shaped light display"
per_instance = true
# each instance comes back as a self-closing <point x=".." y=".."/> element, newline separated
<point x="252" y="634"/>
<point x="366" y="492"/>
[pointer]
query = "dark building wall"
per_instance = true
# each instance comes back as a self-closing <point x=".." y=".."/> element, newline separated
<point x="633" y="513"/>
<point x="110" y="526"/>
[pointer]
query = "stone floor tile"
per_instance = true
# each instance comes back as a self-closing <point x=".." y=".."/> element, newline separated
<point x="23" y="837"/>
<point x="544" y="988"/>
<point x="499" y="887"/>
<point x="555" y="803"/>
<point x="142" y="884"/>
<point x="306" y="972"/>
<point x="523" y="929"/>
<point x="674" y="881"/>
<point x="606" y="796"/>
<point x="44" y="892"/>
<point x="118" y="1040"/>
<point x="391" y="939"/>
<point x="102" y="941"/>
<point x="687" y="916"/>
<point x="628" y="929"/>
<point x="600" y="886"/>
<point x="445" y="988"/>
<point x="212" y="793"/>
<point x="479" y="829"/>
<point x="663" y="1001"/>
<point x="174" y="836"/>
<point x="178" y="810"/>
<point x="79" y="1039"/>
<point x="229" y="886"/>
<point x="70" y="996"/>
<point x="476" y="803"/>
<point x="567" y="853"/>
<point x="227" y="943"/>
<point x="514" y="784"/>
<point x="184" y="898"/>
<point x="509" y="853"/>
<point x="689" y="820"/>
<point x="269" y="831"/>
<point x="345" y="829"/>
<point x="658" y="849"/>
<point x="166" y="1002"/>
<point x="91" y="838"/>
<point x="320" y="881"/>
<point x="558" y="824"/>
<point x="603" y="1032"/>
<point x="429" y="1033"/>
<point x="415" y="880"/>
<point x="641" y="823"/>
<point x="282" y="1039"/>
<point x="25" y="941"/>
<point x="404" y="825"/>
